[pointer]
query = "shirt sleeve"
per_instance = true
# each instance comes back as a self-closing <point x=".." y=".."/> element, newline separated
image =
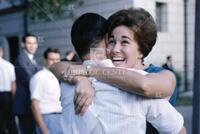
<point x="36" y="87"/>
<point x="12" y="72"/>
<point x="105" y="63"/>
<point x="164" y="117"/>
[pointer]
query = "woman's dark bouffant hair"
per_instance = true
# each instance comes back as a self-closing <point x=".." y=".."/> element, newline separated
<point x="140" y="22"/>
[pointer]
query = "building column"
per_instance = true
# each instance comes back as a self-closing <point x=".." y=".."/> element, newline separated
<point x="196" y="97"/>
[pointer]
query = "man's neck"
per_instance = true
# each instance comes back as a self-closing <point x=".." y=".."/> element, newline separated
<point x="30" y="56"/>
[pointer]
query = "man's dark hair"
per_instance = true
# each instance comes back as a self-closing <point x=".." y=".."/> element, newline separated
<point x="50" y="50"/>
<point x="87" y="31"/>
<point x="140" y="22"/>
<point x="28" y="35"/>
<point x="169" y="57"/>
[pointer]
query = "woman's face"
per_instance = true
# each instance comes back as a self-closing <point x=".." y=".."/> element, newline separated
<point x="123" y="48"/>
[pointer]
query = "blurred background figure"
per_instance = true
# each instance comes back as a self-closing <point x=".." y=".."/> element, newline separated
<point x="168" y="64"/>
<point x="45" y="98"/>
<point x="25" y="68"/>
<point x="7" y="91"/>
<point x="71" y="56"/>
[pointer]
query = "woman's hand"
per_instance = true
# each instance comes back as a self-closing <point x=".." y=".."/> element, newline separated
<point x="84" y="94"/>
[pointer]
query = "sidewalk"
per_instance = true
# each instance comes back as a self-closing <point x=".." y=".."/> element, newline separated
<point x="186" y="94"/>
<point x="186" y="111"/>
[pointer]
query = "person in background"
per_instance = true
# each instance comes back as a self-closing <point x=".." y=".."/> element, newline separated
<point x="7" y="91"/>
<point x="71" y="56"/>
<point x="45" y="95"/>
<point x="168" y="64"/>
<point x="25" y="68"/>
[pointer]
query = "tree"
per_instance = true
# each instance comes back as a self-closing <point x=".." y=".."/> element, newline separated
<point x="51" y="9"/>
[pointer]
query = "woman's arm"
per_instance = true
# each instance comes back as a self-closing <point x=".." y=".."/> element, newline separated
<point x="158" y="85"/>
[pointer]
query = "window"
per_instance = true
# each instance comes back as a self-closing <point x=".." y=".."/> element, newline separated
<point x="13" y="43"/>
<point x="9" y="3"/>
<point x="161" y="16"/>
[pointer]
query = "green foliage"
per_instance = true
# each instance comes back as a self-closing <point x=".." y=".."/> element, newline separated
<point x="184" y="101"/>
<point x="178" y="78"/>
<point x="50" y="9"/>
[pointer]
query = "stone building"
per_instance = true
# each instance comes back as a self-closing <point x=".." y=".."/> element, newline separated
<point x="175" y="36"/>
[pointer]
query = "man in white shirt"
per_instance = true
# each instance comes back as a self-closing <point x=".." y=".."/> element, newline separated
<point x="7" y="91"/>
<point x="45" y="95"/>
<point x="114" y="110"/>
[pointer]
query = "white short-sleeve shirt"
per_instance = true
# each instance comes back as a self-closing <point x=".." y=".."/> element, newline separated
<point x="45" y="87"/>
<point x="114" y="111"/>
<point x="7" y="75"/>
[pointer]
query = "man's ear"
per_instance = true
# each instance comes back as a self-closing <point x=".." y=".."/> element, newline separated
<point x="141" y="56"/>
<point x="1" y="52"/>
<point x="86" y="57"/>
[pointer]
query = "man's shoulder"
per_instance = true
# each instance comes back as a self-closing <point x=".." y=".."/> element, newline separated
<point x="21" y="55"/>
<point x="7" y="64"/>
<point x="39" y="75"/>
<point x="21" y="58"/>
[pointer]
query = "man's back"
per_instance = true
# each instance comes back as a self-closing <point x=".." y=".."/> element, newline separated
<point x="114" y="110"/>
<point x="47" y="94"/>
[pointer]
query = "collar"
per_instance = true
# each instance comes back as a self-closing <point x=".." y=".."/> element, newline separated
<point x="103" y="63"/>
<point x="49" y="72"/>
<point x="30" y="56"/>
<point x="45" y="68"/>
<point x="89" y="62"/>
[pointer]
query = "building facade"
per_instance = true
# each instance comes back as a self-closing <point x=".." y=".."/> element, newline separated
<point x="169" y="15"/>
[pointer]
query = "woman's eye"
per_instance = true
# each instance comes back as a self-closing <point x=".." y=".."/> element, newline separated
<point x="125" y="43"/>
<point x="111" y="42"/>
